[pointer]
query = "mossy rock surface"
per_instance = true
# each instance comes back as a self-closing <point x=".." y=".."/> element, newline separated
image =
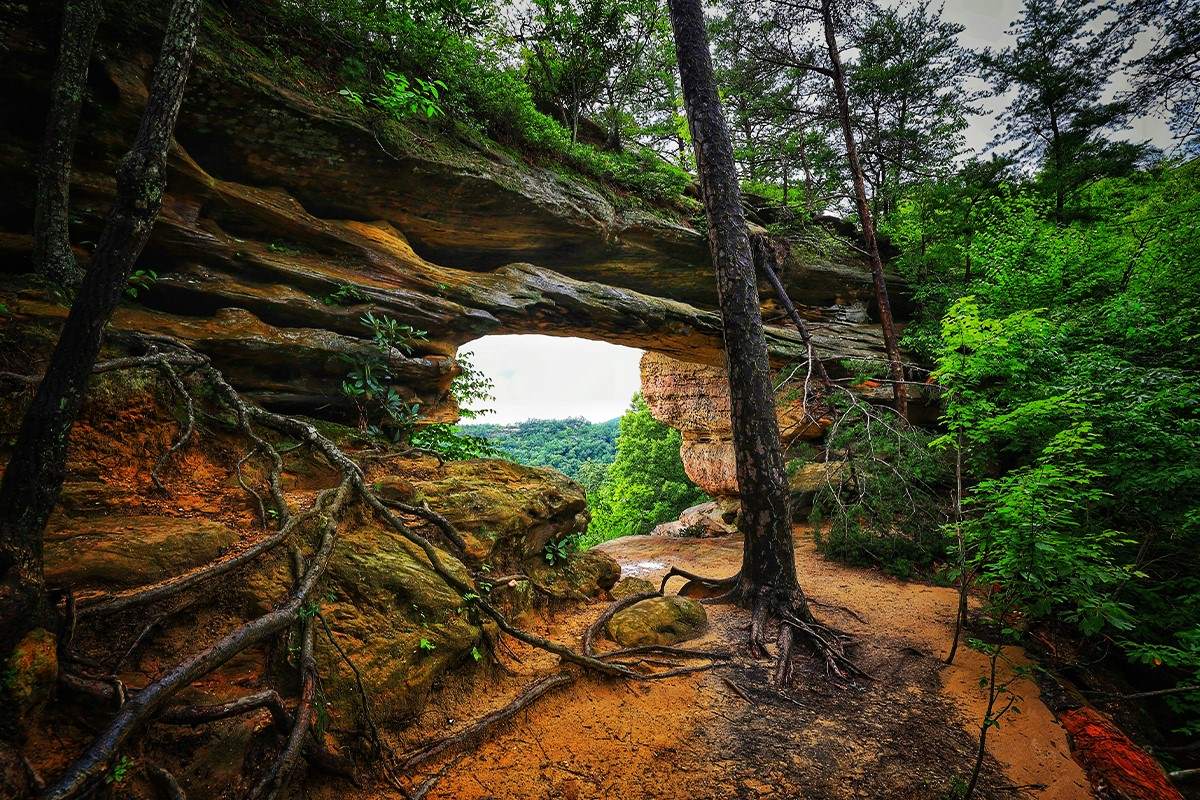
<point x="507" y="512"/>
<point x="627" y="587"/>
<point x="31" y="672"/>
<point x="584" y="572"/>
<point x="118" y="551"/>
<point x="381" y="598"/>
<point x="658" y="620"/>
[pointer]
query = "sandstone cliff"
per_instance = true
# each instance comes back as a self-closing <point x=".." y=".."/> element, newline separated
<point x="280" y="194"/>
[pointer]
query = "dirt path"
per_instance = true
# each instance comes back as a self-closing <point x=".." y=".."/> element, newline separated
<point x="909" y="734"/>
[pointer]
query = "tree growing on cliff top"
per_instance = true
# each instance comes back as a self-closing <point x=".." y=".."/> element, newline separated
<point x="34" y="476"/>
<point x="1060" y="67"/>
<point x="837" y="78"/>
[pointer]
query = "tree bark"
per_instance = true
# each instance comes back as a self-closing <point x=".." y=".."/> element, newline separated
<point x="890" y="342"/>
<point x="34" y="476"/>
<point x="52" y="256"/>
<point x="768" y="573"/>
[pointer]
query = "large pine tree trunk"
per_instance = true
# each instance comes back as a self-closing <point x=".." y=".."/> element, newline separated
<point x="768" y="576"/>
<point x="52" y="256"/>
<point x="890" y="342"/>
<point x="34" y="475"/>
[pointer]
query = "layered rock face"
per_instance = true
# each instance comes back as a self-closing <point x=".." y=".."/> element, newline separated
<point x="289" y="215"/>
<point x="694" y="399"/>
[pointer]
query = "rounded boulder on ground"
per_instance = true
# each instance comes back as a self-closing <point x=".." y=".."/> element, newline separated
<point x="627" y="587"/>
<point x="658" y="620"/>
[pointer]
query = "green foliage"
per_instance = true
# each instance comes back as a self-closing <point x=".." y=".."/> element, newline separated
<point x="402" y="97"/>
<point x="448" y="60"/>
<point x="1066" y="351"/>
<point x="119" y="771"/>
<point x="140" y="280"/>
<point x="426" y="646"/>
<point x="1058" y="72"/>
<point x="567" y="445"/>
<point x="469" y="387"/>
<point x="557" y="552"/>
<point x="646" y="484"/>
<point x="888" y="504"/>
<point x="346" y="294"/>
<point x="389" y="333"/>
<point x="381" y="410"/>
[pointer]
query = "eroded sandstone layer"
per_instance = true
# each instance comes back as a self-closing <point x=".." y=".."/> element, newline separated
<point x="281" y="195"/>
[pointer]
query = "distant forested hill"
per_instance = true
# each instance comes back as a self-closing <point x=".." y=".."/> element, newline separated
<point x="565" y="444"/>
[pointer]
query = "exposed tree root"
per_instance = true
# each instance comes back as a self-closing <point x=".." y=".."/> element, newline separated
<point x="185" y="429"/>
<point x="166" y="783"/>
<point x="268" y="699"/>
<point x="145" y="704"/>
<point x="151" y="703"/>
<point x="708" y="583"/>
<point x="790" y="611"/>
<point x="425" y="512"/>
<point x="278" y="776"/>
<point x="123" y="601"/>
<point x="475" y="732"/>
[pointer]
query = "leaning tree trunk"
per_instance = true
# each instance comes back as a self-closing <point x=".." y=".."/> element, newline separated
<point x="34" y="476"/>
<point x="890" y="343"/>
<point x="52" y="256"/>
<point x="768" y="576"/>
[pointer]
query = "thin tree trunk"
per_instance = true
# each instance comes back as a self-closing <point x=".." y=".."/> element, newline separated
<point x="964" y="585"/>
<point x="768" y="574"/>
<point x="34" y="476"/>
<point x="891" y="344"/>
<point x="52" y="256"/>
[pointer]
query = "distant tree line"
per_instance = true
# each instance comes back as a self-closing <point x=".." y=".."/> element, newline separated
<point x="573" y="446"/>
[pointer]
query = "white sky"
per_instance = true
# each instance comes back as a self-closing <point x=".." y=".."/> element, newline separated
<point x="986" y="23"/>
<point x="550" y="377"/>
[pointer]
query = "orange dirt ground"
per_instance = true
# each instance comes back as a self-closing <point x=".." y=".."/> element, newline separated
<point x="910" y="733"/>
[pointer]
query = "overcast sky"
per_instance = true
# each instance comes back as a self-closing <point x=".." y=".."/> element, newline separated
<point x="547" y="377"/>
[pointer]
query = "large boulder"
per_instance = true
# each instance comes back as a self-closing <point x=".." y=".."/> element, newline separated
<point x="510" y="512"/>
<point x="586" y="573"/>
<point x="627" y="587"/>
<point x="658" y="620"/>
<point x="805" y="480"/>
<point x="398" y="620"/>
<point x="714" y="518"/>
<point x="694" y="399"/>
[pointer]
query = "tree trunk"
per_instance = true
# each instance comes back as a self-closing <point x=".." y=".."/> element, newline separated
<point x="52" y="256"/>
<point x="34" y="476"/>
<point x="768" y="575"/>
<point x="891" y="345"/>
